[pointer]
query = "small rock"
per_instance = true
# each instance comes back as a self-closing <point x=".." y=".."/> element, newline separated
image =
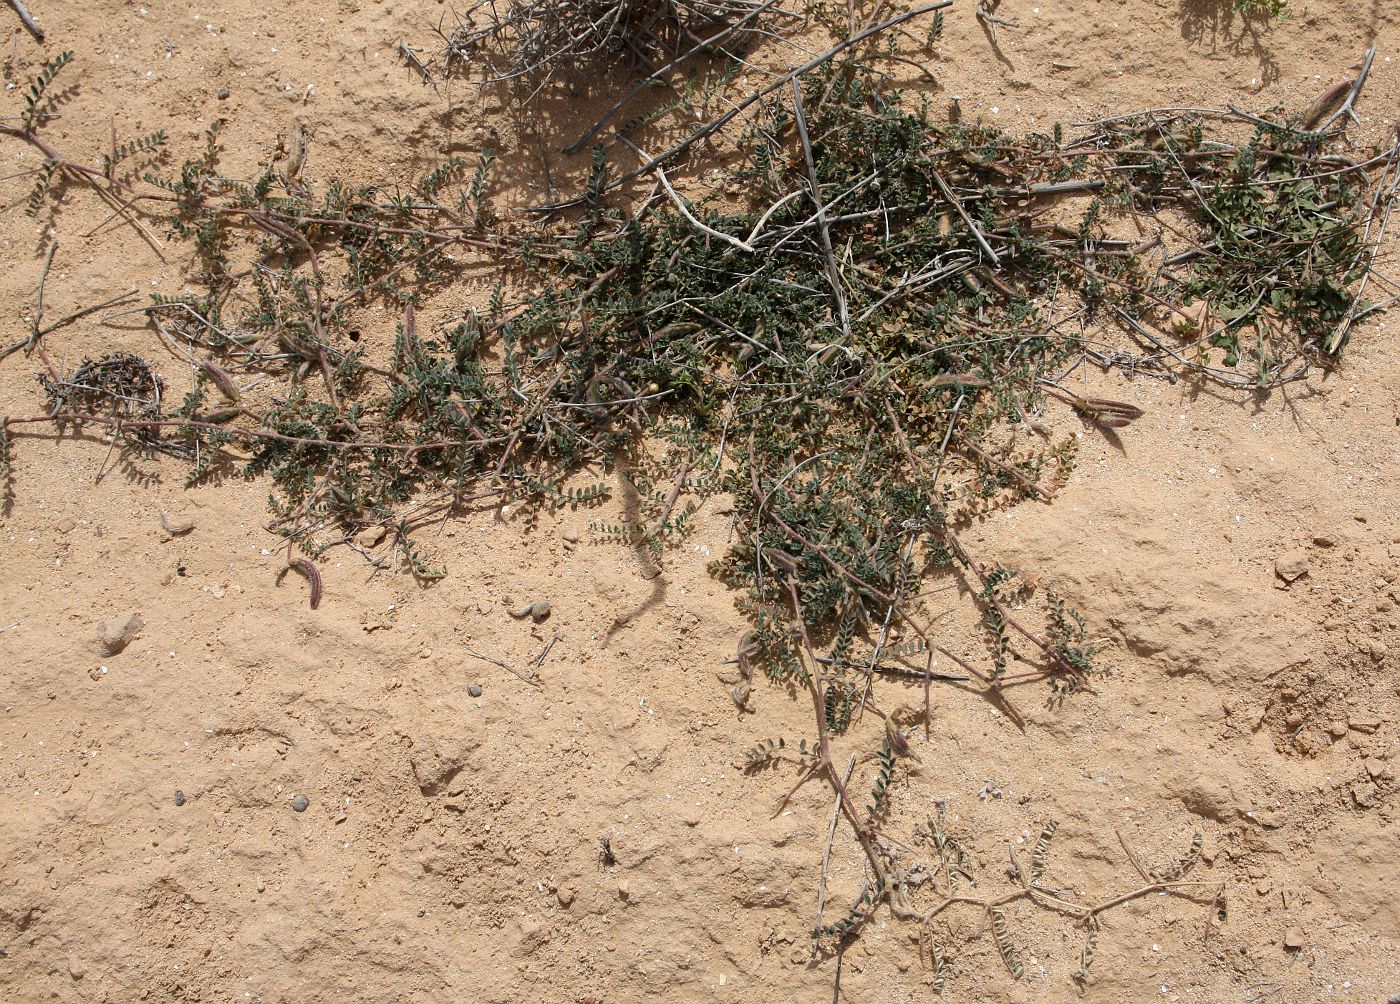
<point x="1364" y="794"/>
<point x="1377" y="770"/>
<point x="1337" y="727"/>
<point x="372" y="537"/>
<point x="537" y="610"/>
<point x="1207" y="795"/>
<point x="221" y="94"/>
<point x="570" y="535"/>
<point x="1364" y="723"/>
<point x="533" y="935"/>
<point x="179" y="798"/>
<point x="65" y="525"/>
<point x="1291" y="565"/>
<point x="300" y="803"/>
<point x="1294" y="939"/>
<point x="1325" y="540"/>
<point x="340" y="817"/>
<point x="119" y="632"/>
<point x="474" y="690"/>
<point x="1267" y="818"/>
<point x="261" y="885"/>
<point x="76" y="969"/>
<point x="624" y="890"/>
<point x="566" y="896"/>
<point x="175" y="527"/>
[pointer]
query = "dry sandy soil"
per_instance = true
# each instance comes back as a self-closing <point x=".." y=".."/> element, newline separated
<point x="450" y="850"/>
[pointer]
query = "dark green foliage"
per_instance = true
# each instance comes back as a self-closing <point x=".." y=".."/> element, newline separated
<point x="614" y="533"/>
<point x="444" y="174"/>
<point x="420" y="569"/>
<point x="840" y="702"/>
<point x="770" y="752"/>
<point x="586" y="495"/>
<point x="856" y="346"/>
<point x="1270" y="8"/>
<point x="994" y="620"/>
<point x="935" y="29"/>
<point x="39" y="194"/>
<point x="879" y="794"/>
<point x="149" y="144"/>
<point x="1066" y="639"/>
<point x="6" y="474"/>
<point x="854" y="437"/>
<point x="837" y="932"/>
<point x="38" y="102"/>
<point x="474" y="198"/>
<point x="906" y="650"/>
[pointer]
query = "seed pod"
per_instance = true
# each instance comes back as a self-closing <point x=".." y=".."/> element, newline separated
<point x="1042" y="845"/>
<point x="219" y="415"/>
<point x="221" y="380"/>
<point x="1005" y="946"/>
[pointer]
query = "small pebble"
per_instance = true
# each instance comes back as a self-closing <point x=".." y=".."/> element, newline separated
<point x="1291" y="565"/>
<point x="118" y="632"/>
<point x="299" y="803"/>
<point x="175" y="527"/>
<point x="261" y="884"/>
<point x="221" y="94"/>
<point x="179" y="798"/>
<point x="474" y="690"/>
<point x="372" y="537"/>
<point x="65" y="525"/>
<point x="1294" y="939"/>
<point x="537" y="610"/>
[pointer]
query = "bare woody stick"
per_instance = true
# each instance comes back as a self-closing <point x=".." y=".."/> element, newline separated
<point x="28" y="19"/>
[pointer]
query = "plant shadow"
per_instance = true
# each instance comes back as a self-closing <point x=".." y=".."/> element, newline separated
<point x="1218" y="25"/>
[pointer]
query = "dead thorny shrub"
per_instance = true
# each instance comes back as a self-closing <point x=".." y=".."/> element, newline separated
<point x="533" y="42"/>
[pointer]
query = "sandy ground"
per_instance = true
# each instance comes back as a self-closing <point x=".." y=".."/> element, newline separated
<point x="451" y="846"/>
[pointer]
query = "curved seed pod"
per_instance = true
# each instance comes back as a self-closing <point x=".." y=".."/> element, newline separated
<point x="220" y="415"/>
<point x="1042" y="846"/>
<point x="1178" y="871"/>
<point x="221" y="380"/>
<point x="312" y="574"/>
<point x="1005" y="945"/>
<point x="1086" y="953"/>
